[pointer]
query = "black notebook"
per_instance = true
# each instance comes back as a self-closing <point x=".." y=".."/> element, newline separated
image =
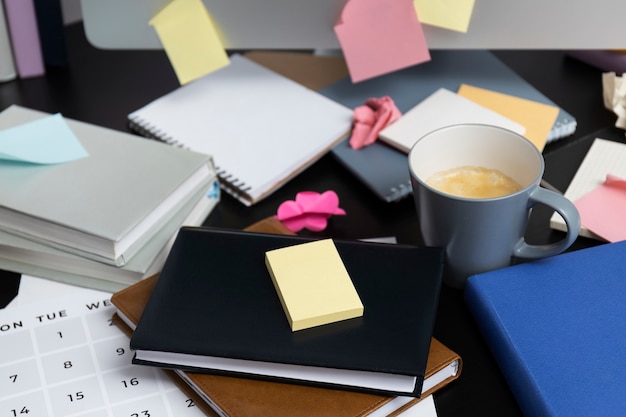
<point x="214" y="309"/>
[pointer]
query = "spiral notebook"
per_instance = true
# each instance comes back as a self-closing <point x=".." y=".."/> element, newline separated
<point x="261" y="128"/>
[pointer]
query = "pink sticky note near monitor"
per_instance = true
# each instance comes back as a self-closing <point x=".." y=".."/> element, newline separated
<point x="602" y="209"/>
<point x="380" y="36"/>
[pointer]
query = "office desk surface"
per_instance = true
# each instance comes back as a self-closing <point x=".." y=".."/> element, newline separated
<point x="102" y="87"/>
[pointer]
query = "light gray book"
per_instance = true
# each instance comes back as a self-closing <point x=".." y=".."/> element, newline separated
<point x="106" y="206"/>
<point x="28" y="257"/>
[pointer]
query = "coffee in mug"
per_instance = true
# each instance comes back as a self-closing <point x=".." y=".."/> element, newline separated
<point x="473" y="182"/>
<point x="480" y="231"/>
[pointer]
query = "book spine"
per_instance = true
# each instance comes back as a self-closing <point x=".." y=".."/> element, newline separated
<point x="7" y="66"/>
<point x="512" y="365"/>
<point x="24" y="34"/>
<point x="51" y="32"/>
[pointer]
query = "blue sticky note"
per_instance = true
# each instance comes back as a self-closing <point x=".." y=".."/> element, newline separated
<point x="48" y="140"/>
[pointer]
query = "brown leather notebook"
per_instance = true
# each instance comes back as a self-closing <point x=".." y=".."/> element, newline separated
<point x="238" y="397"/>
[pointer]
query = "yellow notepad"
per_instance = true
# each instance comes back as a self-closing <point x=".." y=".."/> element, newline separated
<point x="313" y="284"/>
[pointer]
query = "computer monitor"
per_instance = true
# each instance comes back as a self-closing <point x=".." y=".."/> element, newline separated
<point x="308" y="24"/>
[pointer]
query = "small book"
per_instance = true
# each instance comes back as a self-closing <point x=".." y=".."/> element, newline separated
<point x="440" y="109"/>
<point x="384" y="169"/>
<point x="604" y="157"/>
<point x="24" y="35"/>
<point x="556" y="329"/>
<point x="106" y="206"/>
<point x="261" y="127"/>
<point x="224" y="395"/>
<point x="312" y="284"/>
<point x="215" y="310"/>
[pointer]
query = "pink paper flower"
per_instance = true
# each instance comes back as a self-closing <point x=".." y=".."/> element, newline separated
<point x="310" y="210"/>
<point x="370" y="119"/>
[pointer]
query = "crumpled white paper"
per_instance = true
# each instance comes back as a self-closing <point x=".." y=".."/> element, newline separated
<point x="614" y="94"/>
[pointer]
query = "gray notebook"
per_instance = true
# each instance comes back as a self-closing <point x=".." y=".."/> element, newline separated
<point x="105" y="206"/>
<point x="384" y="169"/>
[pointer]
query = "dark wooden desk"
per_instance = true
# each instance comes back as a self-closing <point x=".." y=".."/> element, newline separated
<point x="102" y="87"/>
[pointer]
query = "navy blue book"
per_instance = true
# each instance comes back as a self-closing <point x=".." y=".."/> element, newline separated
<point x="557" y="328"/>
<point x="49" y="15"/>
<point x="214" y="309"/>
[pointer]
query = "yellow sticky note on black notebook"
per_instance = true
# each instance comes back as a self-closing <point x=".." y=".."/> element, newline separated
<point x="313" y="284"/>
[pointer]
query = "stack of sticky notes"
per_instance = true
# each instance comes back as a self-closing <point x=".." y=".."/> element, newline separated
<point x="313" y="284"/>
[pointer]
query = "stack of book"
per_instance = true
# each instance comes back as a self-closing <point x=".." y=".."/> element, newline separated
<point x="104" y="221"/>
<point x="218" y="323"/>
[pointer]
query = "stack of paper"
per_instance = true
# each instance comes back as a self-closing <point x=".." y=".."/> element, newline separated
<point x="104" y="218"/>
<point x="227" y="395"/>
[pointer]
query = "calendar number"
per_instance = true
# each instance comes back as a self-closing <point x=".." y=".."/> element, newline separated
<point x="130" y="383"/>
<point x="144" y="413"/>
<point x="24" y="410"/>
<point x="13" y="378"/>
<point x="190" y="403"/>
<point x="76" y="397"/>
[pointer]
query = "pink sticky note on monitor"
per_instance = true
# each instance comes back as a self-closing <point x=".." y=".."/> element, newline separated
<point x="379" y="37"/>
<point x="603" y="209"/>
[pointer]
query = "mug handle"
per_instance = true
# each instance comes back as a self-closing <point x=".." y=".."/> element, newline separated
<point x="566" y="210"/>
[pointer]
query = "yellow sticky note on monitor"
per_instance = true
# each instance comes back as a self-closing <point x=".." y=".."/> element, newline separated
<point x="538" y="118"/>
<point x="190" y="39"/>
<point x="448" y="14"/>
<point x="313" y="284"/>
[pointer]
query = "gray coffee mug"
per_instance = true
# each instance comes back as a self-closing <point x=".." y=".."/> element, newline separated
<point x="483" y="234"/>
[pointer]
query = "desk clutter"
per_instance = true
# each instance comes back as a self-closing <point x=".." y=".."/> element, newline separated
<point x="183" y="292"/>
<point x="383" y="168"/>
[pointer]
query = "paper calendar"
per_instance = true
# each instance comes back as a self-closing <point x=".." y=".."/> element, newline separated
<point x="63" y="356"/>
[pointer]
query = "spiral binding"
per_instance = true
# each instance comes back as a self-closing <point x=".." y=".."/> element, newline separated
<point x="230" y="184"/>
<point x="399" y="192"/>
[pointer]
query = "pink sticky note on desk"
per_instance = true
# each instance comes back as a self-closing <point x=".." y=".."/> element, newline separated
<point x="603" y="210"/>
<point x="379" y="37"/>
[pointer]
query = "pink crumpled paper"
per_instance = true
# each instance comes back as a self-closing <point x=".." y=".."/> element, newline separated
<point x="310" y="210"/>
<point x="370" y="119"/>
